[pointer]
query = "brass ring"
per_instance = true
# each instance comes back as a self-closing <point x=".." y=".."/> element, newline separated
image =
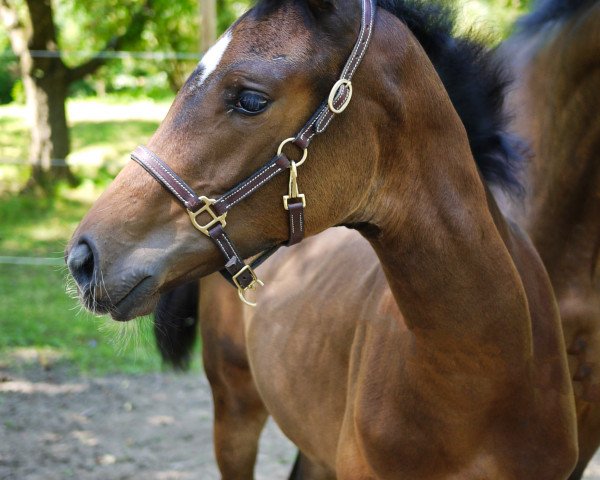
<point x="288" y="140"/>
<point x="336" y="88"/>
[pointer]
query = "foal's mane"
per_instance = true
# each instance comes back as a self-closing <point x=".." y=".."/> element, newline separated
<point x="476" y="84"/>
<point x="474" y="80"/>
<point x="548" y="11"/>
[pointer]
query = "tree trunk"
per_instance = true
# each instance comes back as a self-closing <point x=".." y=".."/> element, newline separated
<point x="50" y="144"/>
<point x="47" y="79"/>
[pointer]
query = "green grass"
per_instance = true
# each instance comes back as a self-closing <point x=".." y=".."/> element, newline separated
<point x="39" y="322"/>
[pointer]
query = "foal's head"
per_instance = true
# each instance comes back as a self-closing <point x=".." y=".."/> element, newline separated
<point x="254" y="88"/>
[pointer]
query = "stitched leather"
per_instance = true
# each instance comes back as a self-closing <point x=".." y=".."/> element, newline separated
<point x="296" y="213"/>
<point x="167" y="177"/>
<point x="278" y="164"/>
<point x="323" y="116"/>
<point x="233" y="262"/>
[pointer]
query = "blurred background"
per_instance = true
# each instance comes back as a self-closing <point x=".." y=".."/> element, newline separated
<point x="82" y="82"/>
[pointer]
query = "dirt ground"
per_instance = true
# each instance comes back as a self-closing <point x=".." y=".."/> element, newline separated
<point x="152" y="427"/>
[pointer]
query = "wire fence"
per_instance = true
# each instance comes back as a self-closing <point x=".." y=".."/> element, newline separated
<point x="61" y="162"/>
<point x="32" y="261"/>
<point x="58" y="162"/>
<point x="108" y="54"/>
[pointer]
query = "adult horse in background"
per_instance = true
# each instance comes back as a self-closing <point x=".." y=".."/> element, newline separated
<point x="555" y="60"/>
<point x="452" y="363"/>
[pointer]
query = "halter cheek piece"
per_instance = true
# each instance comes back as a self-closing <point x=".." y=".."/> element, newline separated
<point x="236" y="271"/>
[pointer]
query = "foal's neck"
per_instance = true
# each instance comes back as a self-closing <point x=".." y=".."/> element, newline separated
<point x="443" y="250"/>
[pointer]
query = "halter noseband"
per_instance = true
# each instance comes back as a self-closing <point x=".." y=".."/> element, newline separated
<point x="236" y="271"/>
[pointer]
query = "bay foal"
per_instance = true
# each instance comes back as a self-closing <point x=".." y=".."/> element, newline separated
<point x="553" y="103"/>
<point x="453" y="361"/>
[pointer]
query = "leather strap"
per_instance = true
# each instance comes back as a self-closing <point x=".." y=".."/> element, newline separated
<point x="319" y="122"/>
<point x="277" y="165"/>
<point x="186" y="195"/>
<point x="257" y="262"/>
<point x="167" y="177"/>
<point x="234" y="263"/>
<point x="296" y="214"/>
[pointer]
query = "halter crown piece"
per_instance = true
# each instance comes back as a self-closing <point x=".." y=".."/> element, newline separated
<point x="236" y="271"/>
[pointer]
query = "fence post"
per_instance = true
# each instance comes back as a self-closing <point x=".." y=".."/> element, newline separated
<point x="207" y="10"/>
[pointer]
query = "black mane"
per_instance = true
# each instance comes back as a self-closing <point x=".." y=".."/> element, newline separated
<point x="474" y="80"/>
<point x="547" y="11"/>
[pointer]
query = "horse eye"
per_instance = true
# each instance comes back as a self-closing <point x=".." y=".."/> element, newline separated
<point x="251" y="103"/>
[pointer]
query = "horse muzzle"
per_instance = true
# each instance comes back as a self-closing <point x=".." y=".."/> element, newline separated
<point x="135" y="293"/>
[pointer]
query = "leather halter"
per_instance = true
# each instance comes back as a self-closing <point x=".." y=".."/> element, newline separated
<point x="236" y="271"/>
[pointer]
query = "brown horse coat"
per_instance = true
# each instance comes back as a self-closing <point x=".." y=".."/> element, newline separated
<point x="445" y="356"/>
<point x="553" y="64"/>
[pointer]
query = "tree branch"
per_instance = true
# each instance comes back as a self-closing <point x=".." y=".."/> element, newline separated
<point x="133" y="31"/>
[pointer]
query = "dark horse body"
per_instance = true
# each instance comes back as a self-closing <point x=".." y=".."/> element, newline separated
<point x="555" y="60"/>
<point x="443" y="354"/>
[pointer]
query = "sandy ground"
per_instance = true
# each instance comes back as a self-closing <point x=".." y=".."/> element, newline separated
<point x="152" y="427"/>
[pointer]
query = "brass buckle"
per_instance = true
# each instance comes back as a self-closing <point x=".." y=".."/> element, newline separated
<point x="293" y="188"/>
<point x="334" y="91"/>
<point x="206" y="208"/>
<point x="241" y="290"/>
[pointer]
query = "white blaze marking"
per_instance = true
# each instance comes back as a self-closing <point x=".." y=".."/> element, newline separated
<point x="212" y="58"/>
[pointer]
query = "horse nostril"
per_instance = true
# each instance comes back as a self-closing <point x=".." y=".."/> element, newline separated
<point x="81" y="263"/>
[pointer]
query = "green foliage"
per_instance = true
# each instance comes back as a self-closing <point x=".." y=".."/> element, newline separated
<point x="8" y="70"/>
<point x="17" y="92"/>
<point x="490" y="19"/>
<point x="173" y="28"/>
<point x="7" y="82"/>
<point x="228" y="11"/>
<point x="87" y="25"/>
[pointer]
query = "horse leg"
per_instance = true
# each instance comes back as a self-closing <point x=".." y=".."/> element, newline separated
<point x="578" y="472"/>
<point x="588" y="413"/>
<point x="239" y="413"/>
<point x="306" y="469"/>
